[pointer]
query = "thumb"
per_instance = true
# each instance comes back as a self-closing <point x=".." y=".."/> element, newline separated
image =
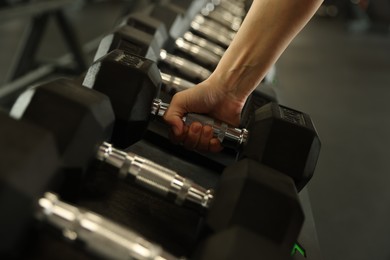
<point x="174" y="117"/>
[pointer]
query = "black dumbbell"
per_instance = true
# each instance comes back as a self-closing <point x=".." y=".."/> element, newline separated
<point x="141" y="43"/>
<point x="81" y="121"/>
<point x="28" y="168"/>
<point x="244" y="186"/>
<point x="177" y="46"/>
<point x="238" y="243"/>
<point x="177" y="25"/>
<point x="279" y="137"/>
<point x="173" y="22"/>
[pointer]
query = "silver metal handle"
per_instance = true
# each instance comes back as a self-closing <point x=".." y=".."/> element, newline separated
<point x="99" y="235"/>
<point x="178" y="84"/>
<point x="217" y="27"/>
<point x="211" y="34"/>
<point x="235" y="9"/>
<point x="202" y="42"/>
<point x="155" y="177"/>
<point x="225" y="18"/>
<point x="197" y="52"/>
<point x="188" y="68"/>
<point x="229" y="136"/>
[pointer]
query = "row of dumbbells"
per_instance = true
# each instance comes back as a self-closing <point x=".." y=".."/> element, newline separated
<point x="81" y="121"/>
<point x="252" y="203"/>
<point x="187" y="46"/>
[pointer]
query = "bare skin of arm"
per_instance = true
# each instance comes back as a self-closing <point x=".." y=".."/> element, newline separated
<point x="269" y="27"/>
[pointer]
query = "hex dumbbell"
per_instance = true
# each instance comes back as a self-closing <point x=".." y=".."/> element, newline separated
<point x="141" y="43"/>
<point x="81" y="121"/>
<point x="280" y="137"/>
<point x="28" y="168"/>
<point x="171" y="20"/>
<point x="188" y="45"/>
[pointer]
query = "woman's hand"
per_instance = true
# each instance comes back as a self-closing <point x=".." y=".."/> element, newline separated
<point x="205" y="98"/>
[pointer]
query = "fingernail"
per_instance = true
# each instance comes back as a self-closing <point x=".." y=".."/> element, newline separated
<point x="196" y="128"/>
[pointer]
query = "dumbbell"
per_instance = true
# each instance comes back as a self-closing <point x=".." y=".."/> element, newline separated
<point x="222" y="16"/>
<point x="162" y="16"/>
<point x="235" y="8"/>
<point x="280" y="137"/>
<point x="177" y="25"/>
<point x="221" y="19"/>
<point x="198" y="48"/>
<point x="136" y="41"/>
<point x="28" y="168"/>
<point x="208" y="32"/>
<point x="259" y="199"/>
<point x="81" y="120"/>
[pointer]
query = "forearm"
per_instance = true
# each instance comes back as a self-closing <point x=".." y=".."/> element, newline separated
<point x="268" y="28"/>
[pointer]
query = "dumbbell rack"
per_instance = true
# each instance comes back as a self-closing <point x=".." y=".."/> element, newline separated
<point x="175" y="228"/>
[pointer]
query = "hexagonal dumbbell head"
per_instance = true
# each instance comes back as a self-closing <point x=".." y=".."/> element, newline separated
<point x="79" y="118"/>
<point x="149" y="25"/>
<point x="259" y="199"/>
<point x="131" y="82"/>
<point x="28" y="163"/>
<point x="130" y="40"/>
<point x="284" y="139"/>
<point x="239" y="243"/>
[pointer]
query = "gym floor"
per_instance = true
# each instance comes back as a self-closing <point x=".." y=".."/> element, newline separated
<point x="343" y="81"/>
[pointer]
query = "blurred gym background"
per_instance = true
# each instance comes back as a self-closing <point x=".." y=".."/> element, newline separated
<point x="337" y="70"/>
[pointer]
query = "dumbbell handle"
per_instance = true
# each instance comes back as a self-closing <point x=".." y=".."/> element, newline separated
<point x="99" y="235"/>
<point x="155" y="177"/>
<point x="202" y="42"/>
<point x="196" y="51"/>
<point x="211" y="34"/>
<point x="188" y="68"/>
<point x="228" y="136"/>
<point x="176" y="83"/>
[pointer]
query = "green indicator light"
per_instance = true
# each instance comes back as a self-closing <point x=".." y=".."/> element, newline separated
<point x="299" y="248"/>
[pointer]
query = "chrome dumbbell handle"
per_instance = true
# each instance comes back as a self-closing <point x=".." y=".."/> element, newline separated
<point x="186" y="67"/>
<point x="210" y="33"/>
<point x="176" y="83"/>
<point x="200" y="54"/>
<point x="235" y="9"/>
<point x="228" y="136"/>
<point x="202" y="42"/>
<point x="224" y="17"/>
<point x="215" y="26"/>
<point x="99" y="235"/>
<point x="155" y="177"/>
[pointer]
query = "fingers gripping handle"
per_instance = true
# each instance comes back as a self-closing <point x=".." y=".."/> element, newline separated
<point x="228" y="136"/>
